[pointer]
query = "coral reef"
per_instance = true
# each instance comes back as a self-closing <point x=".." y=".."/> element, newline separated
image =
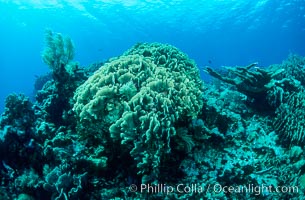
<point x="294" y="68"/>
<point x="58" y="53"/>
<point x="290" y="120"/>
<point x="55" y="94"/>
<point x="144" y="121"/>
<point x="140" y="99"/>
<point x="257" y="84"/>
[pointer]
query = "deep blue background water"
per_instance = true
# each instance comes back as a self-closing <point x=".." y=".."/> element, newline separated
<point x="226" y="32"/>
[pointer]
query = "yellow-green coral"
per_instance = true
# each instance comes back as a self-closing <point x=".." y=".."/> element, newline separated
<point x="59" y="50"/>
<point x="139" y="99"/>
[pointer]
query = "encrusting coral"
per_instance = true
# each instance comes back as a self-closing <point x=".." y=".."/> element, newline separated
<point x="139" y="99"/>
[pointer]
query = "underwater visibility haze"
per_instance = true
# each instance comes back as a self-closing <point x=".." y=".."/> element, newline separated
<point x="177" y="99"/>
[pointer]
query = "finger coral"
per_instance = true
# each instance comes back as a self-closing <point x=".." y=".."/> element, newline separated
<point x="139" y="99"/>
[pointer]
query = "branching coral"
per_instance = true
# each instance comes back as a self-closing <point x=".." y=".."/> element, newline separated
<point x="139" y="99"/>
<point x="263" y="85"/>
<point x="143" y="116"/>
<point x="294" y="67"/>
<point x="252" y="83"/>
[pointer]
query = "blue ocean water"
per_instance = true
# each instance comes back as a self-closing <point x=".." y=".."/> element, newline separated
<point x="212" y="32"/>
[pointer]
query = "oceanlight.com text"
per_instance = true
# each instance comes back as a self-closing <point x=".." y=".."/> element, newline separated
<point x="209" y="188"/>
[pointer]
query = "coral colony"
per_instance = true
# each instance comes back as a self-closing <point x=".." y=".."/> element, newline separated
<point x="145" y="126"/>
